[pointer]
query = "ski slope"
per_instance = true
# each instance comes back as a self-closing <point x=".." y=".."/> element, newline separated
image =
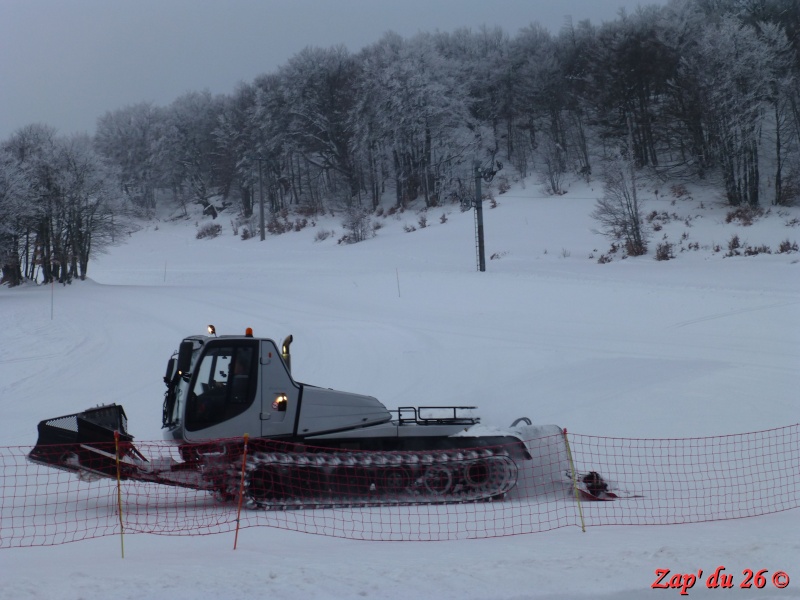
<point x="697" y="346"/>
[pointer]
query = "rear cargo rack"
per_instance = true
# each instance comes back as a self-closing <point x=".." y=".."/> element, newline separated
<point x="436" y="415"/>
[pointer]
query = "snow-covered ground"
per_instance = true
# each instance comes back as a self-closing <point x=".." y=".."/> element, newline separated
<point x="697" y="346"/>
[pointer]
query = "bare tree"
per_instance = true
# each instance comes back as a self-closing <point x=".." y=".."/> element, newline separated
<point x="618" y="210"/>
<point x="358" y="224"/>
<point x="555" y="171"/>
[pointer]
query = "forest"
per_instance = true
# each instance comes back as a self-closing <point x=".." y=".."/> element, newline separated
<point x="694" y="90"/>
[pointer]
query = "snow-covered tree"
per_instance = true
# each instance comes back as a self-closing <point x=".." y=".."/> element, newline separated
<point x="62" y="205"/>
<point x="128" y="138"/>
<point x="188" y="151"/>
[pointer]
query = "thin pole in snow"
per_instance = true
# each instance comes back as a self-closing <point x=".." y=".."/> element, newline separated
<point x="397" y="273"/>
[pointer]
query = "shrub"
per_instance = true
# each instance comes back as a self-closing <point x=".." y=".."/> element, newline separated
<point x="754" y="250"/>
<point x="209" y="230"/>
<point x="733" y="246"/>
<point x="744" y="215"/>
<point x="423" y="221"/>
<point x="634" y="248"/>
<point x="358" y="225"/>
<point x="275" y="226"/>
<point x="503" y="185"/>
<point x="679" y="190"/>
<point x="307" y="210"/>
<point x="443" y="219"/>
<point x="322" y="235"/>
<point x="664" y="251"/>
<point x="785" y="247"/>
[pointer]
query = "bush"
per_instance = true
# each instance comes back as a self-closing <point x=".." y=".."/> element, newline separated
<point x="664" y="251"/>
<point x="786" y="247"/>
<point x="733" y="246"/>
<point x="503" y="185"/>
<point x="634" y="248"/>
<point x="275" y="226"/>
<point x="358" y="225"/>
<point x="307" y="210"/>
<point x="679" y="190"/>
<point x="209" y="230"/>
<point x="322" y="235"/>
<point x="744" y="215"/>
<point x="754" y="250"/>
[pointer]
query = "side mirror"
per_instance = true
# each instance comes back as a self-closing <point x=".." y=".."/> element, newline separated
<point x="185" y="357"/>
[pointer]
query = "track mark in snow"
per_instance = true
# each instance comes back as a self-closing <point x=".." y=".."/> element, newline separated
<point x="732" y="313"/>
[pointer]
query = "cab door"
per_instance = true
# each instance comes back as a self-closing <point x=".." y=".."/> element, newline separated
<point x="280" y="395"/>
<point x="221" y="400"/>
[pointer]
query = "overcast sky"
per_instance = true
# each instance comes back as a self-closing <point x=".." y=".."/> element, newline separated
<point x="66" y="62"/>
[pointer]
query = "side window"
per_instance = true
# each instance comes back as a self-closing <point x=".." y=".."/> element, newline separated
<point x="242" y="378"/>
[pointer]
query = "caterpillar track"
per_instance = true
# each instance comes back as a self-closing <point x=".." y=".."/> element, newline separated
<point x="283" y="481"/>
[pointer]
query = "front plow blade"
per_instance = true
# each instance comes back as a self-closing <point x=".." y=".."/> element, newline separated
<point x="84" y="442"/>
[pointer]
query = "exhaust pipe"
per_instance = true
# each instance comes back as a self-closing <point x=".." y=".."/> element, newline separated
<point x="285" y="354"/>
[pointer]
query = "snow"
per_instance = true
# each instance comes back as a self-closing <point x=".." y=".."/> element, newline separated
<point x="697" y="346"/>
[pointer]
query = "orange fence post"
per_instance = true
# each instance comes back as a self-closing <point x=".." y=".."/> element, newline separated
<point x="241" y="491"/>
<point x="119" y="496"/>
<point x="574" y="481"/>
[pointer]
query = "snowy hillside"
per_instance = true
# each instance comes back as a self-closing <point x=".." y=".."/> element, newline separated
<point x="700" y="345"/>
